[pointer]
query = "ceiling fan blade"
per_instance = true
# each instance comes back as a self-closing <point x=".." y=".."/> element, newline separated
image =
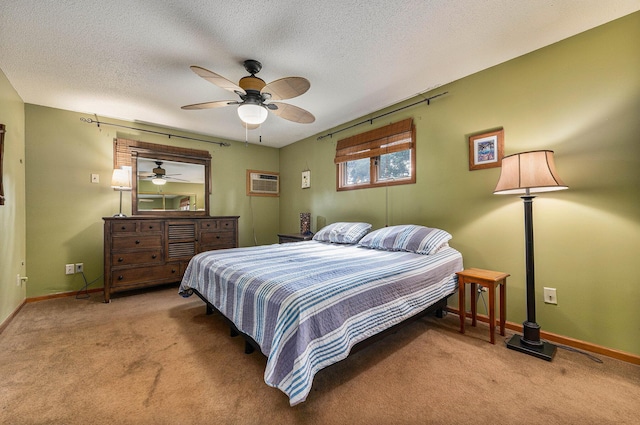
<point x="286" y="88"/>
<point x="293" y="113"/>
<point x="216" y="79"/>
<point x="210" y="105"/>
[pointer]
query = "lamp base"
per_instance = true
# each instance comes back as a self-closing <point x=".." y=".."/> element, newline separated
<point x="120" y="215"/>
<point x="544" y="350"/>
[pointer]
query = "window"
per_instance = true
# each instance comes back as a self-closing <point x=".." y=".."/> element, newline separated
<point x="380" y="157"/>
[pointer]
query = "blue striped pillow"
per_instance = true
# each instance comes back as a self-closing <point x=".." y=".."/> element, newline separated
<point x="342" y="232"/>
<point x="407" y="237"/>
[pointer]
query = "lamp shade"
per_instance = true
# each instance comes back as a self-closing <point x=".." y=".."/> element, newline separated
<point x="528" y="172"/>
<point x="252" y="113"/>
<point x="158" y="181"/>
<point x="120" y="179"/>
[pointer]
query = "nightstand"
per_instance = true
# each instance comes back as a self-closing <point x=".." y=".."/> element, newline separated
<point x="293" y="237"/>
<point x="488" y="279"/>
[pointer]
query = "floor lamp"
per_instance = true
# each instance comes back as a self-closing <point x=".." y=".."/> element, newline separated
<point x="526" y="173"/>
<point x="120" y="181"/>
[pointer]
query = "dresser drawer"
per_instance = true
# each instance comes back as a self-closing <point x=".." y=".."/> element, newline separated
<point x="150" y="226"/>
<point x="217" y="240"/>
<point x="206" y="225"/>
<point x="130" y="226"/>
<point x="227" y="224"/>
<point x="138" y="257"/>
<point x="124" y="226"/>
<point x="165" y="273"/>
<point x="136" y="242"/>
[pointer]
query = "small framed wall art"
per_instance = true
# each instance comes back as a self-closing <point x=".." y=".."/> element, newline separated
<point x="486" y="150"/>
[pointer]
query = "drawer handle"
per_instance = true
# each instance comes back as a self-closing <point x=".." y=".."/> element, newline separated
<point x="208" y="225"/>
<point x="218" y="237"/>
<point x="154" y="256"/>
<point x="173" y="270"/>
<point x="124" y="228"/>
<point x="120" y="260"/>
<point x="120" y="277"/>
<point x="137" y="242"/>
<point x="150" y="227"/>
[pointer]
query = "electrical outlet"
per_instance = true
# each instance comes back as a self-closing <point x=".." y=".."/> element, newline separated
<point x="69" y="269"/>
<point x="95" y="178"/>
<point x="550" y="296"/>
<point x="79" y="267"/>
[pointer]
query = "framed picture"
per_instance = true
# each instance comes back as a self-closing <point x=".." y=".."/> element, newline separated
<point x="486" y="150"/>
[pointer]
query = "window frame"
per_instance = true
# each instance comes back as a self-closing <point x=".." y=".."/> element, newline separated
<point x="372" y="139"/>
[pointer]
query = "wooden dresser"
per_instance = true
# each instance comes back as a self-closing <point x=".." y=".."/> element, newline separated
<point x="145" y="251"/>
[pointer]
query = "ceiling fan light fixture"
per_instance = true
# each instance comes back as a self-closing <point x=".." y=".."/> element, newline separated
<point x="252" y="113"/>
<point x="158" y="181"/>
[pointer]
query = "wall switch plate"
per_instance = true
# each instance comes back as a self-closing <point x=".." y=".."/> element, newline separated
<point x="95" y="178"/>
<point x="306" y="179"/>
<point x="69" y="269"/>
<point x="550" y="296"/>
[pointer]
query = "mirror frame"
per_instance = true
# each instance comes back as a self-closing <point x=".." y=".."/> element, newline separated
<point x="168" y="153"/>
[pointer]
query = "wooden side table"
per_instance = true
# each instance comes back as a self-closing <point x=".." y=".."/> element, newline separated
<point x="488" y="279"/>
<point x="293" y="237"/>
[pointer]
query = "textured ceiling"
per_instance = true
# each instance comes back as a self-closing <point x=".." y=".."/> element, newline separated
<point x="130" y="59"/>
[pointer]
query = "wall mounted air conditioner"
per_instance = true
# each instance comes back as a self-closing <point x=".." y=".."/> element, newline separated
<point x="263" y="183"/>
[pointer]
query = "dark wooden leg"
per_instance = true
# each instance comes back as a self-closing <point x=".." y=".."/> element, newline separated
<point x="209" y="310"/>
<point x="503" y="305"/>
<point x="233" y="333"/>
<point x="461" y="302"/>
<point x="248" y="348"/>
<point x="474" y="303"/>
<point x="492" y="312"/>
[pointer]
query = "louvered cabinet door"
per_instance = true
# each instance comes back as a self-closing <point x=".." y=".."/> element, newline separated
<point x="180" y="240"/>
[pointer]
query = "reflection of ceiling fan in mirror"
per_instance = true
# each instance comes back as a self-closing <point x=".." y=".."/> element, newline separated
<point x="158" y="175"/>
<point x="256" y="96"/>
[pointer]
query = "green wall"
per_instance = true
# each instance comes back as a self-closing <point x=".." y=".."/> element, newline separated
<point x="65" y="210"/>
<point x="12" y="213"/>
<point x="579" y="97"/>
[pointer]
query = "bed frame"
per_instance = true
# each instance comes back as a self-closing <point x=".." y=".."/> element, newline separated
<point x="250" y="345"/>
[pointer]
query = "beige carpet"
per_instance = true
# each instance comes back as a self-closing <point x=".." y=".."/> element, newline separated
<point x="156" y="358"/>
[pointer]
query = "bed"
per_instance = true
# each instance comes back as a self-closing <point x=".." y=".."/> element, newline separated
<point x="306" y="304"/>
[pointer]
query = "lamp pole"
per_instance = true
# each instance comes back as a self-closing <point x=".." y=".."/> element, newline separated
<point x="530" y="342"/>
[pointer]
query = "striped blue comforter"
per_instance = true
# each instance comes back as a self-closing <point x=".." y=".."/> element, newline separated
<point x="308" y="303"/>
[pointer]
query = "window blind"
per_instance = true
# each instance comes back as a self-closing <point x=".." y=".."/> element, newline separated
<point x="388" y="139"/>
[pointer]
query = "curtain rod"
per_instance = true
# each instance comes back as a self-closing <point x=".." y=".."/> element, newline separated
<point x="98" y="123"/>
<point x="370" y="120"/>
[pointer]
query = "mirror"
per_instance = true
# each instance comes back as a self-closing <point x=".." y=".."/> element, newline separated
<point x="170" y="185"/>
<point x="169" y="181"/>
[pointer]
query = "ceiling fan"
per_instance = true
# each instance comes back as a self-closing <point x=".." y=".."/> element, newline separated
<point x="158" y="175"/>
<point x="256" y="96"/>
